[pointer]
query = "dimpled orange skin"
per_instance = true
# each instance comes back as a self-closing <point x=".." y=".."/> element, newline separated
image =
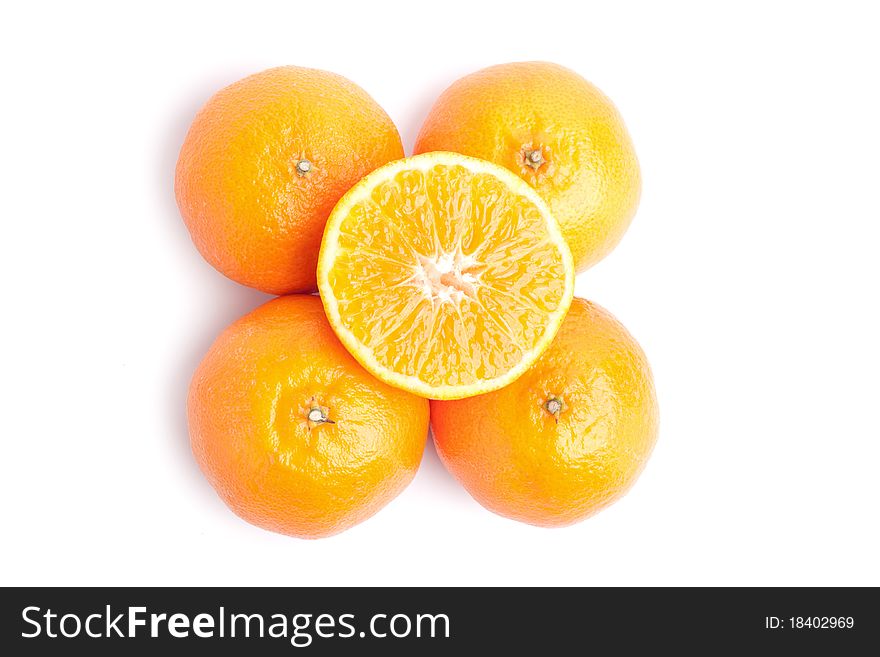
<point x="586" y="169"/>
<point x="251" y="213"/>
<point x="249" y="405"/>
<point x="514" y="458"/>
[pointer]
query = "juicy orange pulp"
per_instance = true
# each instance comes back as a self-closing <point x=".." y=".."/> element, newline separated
<point x="444" y="275"/>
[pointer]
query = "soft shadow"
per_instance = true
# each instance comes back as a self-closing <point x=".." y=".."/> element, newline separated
<point x="423" y="98"/>
<point x="434" y="474"/>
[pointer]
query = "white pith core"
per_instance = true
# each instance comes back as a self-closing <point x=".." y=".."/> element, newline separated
<point x="448" y="276"/>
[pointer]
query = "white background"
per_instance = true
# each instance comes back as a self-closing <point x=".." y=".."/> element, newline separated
<point x="749" y="276"/>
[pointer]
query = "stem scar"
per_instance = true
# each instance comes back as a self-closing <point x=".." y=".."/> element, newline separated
<point x="554" y="405"/>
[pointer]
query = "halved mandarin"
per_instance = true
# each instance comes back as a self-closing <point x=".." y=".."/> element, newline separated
<point x="444" y="275"/>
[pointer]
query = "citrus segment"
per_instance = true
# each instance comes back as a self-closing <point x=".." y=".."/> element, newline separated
<point x="444" y="275"/>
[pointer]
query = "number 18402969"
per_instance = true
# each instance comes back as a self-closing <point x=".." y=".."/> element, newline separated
<point x="809" y="622"/>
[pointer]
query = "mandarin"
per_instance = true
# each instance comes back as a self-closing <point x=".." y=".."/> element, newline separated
<point x="263" y="164"/>
<point x="567" y="438"/>
<point x="293" y="434"/>
<point x="557" y="132"/>
<point x="444" y="275"/>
